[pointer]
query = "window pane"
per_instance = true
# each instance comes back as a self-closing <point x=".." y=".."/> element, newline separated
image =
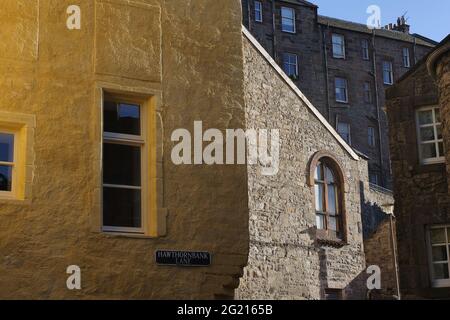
<point x="332" y="199"/>
<point x="318" y="173"/>
<point x="332" y="223"/>
<point x="122" y="165"/>
<point x="319" y="190"/>
<point x="425" y="117"/>
<point x="427" y="134"/>
<point x="437" y="236"/>
<point x="439" y="253"/>
<point x="441" y="271"/>
<point x="122" y="118"/>
<point x="329" y="175"/>
<point x="320" y="222"/>
<point x="428" y="150"/>
<point x="6" y="147"/>
<point x="121" y="208"/>
<point x="5" y="178"/>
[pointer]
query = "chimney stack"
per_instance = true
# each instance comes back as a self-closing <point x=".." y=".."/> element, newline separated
<point x="401" y="25"/>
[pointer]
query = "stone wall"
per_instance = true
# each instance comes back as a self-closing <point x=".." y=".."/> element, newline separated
<point x="421" y="191"/>
<point x="285" y="260"/>
<point x="161" y="48"/>
<point x="379" y="250"/>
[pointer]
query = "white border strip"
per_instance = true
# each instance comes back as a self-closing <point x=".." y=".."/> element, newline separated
<point x="297" y="91"/>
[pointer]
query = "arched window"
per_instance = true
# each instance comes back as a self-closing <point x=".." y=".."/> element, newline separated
<point x="328" y="182"/>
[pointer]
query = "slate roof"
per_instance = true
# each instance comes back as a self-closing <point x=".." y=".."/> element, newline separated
<point x="391" y="34"/>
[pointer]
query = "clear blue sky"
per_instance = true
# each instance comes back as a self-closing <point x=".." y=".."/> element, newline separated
<point x="429" y="18"/>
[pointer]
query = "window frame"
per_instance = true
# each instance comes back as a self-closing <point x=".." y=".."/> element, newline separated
<point x="342" y="45"/>
<point x="436" y="141"/>
<point x="365" y="47"/>
<point x="292" y="19"/>
<point x="346" y="89"/>
<point x="129" y="140"/>
<point x="406" y="57"/>
<point x="14" y="165"/>
<point x="349" y="131"/>
<point x="323" y="236"/>
<point x="390" y="70"/>
<point x="286" y="54"/>
<point x="258" y="8"/>
<point x="438" y="283"/>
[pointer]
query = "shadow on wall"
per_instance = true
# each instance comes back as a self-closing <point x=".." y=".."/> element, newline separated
<point x="371" y="213"/>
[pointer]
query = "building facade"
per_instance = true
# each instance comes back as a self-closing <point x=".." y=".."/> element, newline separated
<point x="418" y="110"/>
<point x="306" y="233"/>
<point x="90" y="97"/>
<point x="342" y="67"/>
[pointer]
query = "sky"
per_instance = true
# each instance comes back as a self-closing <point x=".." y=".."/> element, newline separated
<point x="429" y="18"/>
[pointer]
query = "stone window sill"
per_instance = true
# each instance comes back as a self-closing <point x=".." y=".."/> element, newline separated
<point x="323" y="238"/>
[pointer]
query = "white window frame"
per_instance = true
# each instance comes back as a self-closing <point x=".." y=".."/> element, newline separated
<point x="365" y="49"/>
<point x="13" y="165"/>
<point x="295" y="64"/>
<point x="438" y="283"/>
<point x="390" y="71"/>
<point x="291" y="19"/>
<point x="336" y="87"/>
<point x="406" y="58"/>
<point x="439" y="159"/>
<point x="349" y="131"/>
<point x="258" y="11"/>
<point x="130" y="140"/>
<point x="341" y="44"/>
<point x="371" y="137"/>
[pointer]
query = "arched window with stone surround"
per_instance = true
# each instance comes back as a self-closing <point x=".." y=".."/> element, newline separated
<point x="328" y="181"/>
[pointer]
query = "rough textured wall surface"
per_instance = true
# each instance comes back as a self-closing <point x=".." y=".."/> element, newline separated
<point x="379" y="250"/>
<point x="55" y="74"/>
<point x="376" y="204"/>
<point x="285" y="261"/>
<point x="420" y="191"/>
<point x="443" y="83"/>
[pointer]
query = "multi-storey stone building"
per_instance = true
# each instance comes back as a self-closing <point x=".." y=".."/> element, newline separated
<point x="342" y="67"/>
<point x="418" y="108"/>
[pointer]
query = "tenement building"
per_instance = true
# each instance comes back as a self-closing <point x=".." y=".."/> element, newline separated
<point x="342" y="67"/>
<point x="418" y="108"/>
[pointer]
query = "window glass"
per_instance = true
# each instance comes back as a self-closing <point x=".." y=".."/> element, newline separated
<point x="338" y="46"/>
<point x="429" y="131"/>
<point x="122" y="207"/>
<point x="287" y="19"/>
<point x="319" y="197"/>
<point x="341" y="90"/>
<point x="388" y="76"/>
<point x="122" y="118"/>
<point x="258" y="11"/>
<point x="6" y="147"/>
<point x="290" y="64"/>
<point x="6" y="178"/>
<point x="122" y="164"/>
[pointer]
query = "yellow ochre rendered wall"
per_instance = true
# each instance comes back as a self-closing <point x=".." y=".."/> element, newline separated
<point x="185" y="58"/>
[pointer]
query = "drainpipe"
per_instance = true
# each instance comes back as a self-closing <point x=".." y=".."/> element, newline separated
<point x="274" y="52"/>
<point x="377" y="105"/>
<point x="327" y="76"/>
<point x="394" y="256"/>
